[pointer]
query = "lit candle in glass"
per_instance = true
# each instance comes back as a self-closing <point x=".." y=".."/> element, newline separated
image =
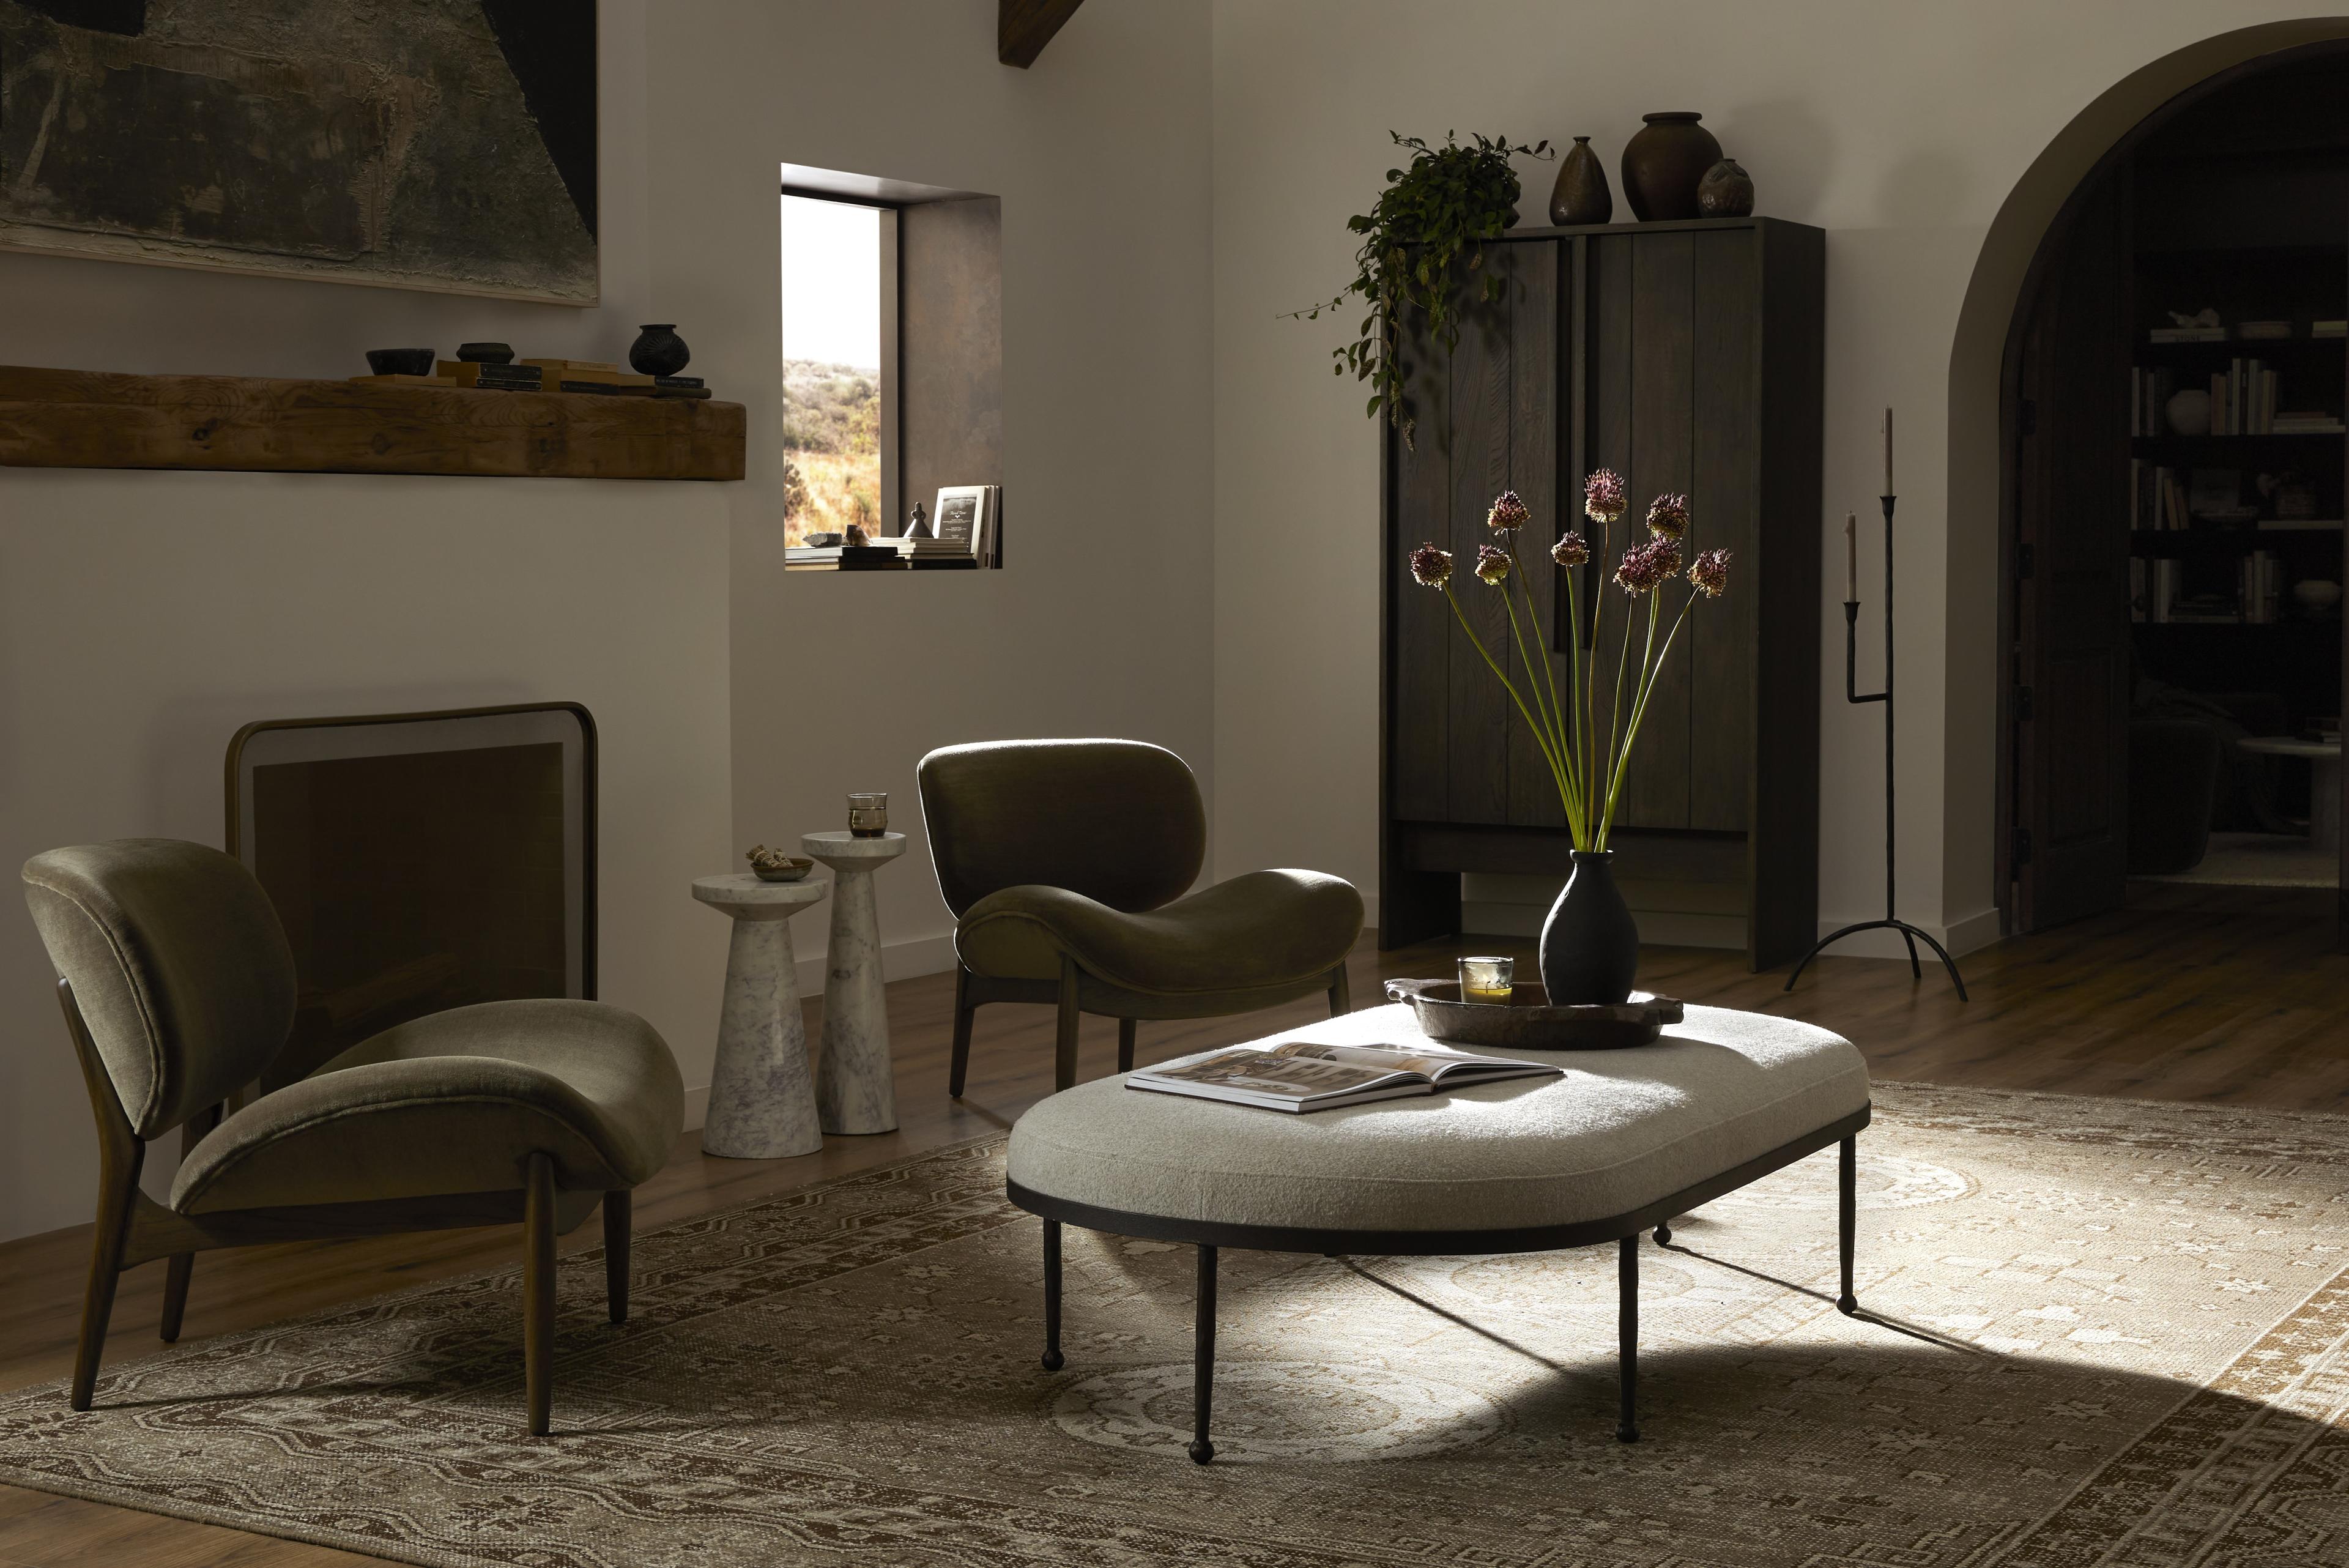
<point x="868" y="815"/>
<point x="1490" y="980"/>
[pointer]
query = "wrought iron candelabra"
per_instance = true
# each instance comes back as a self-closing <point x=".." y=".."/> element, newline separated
<point x="1852" y="693"/>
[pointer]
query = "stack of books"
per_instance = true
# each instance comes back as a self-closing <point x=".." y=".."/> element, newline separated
<point x="492" y="378"/>
<point x="924" y="555"/>
<point x="601" y="378"/>
<point x="882" y="557"/>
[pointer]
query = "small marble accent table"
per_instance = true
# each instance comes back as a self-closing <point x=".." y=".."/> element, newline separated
<point x="2323" y="784"/>
<point x="761" y="1097"/>
<point x="855" y="1090"/>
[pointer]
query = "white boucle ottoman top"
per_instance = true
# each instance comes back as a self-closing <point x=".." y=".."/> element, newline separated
<point x="1621" y="1130"/>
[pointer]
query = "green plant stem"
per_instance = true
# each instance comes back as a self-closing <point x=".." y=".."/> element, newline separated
<point x="1647" y="690"/>
<point x="1572" y="803"/>
<point x="1507" y="684"/>
<point x="1574" y="684"/>
<point x="1615" y="721"/>
<point x="1550" y="727"/>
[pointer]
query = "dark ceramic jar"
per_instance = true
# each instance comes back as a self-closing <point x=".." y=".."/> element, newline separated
<point x="1581" y="196"/>
<point x="659" y="350"/>
<point x="1725" y="192"/>
<point x="1663" y="164"/>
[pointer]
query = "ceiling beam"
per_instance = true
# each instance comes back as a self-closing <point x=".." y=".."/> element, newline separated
<point x="1022" y="27"/>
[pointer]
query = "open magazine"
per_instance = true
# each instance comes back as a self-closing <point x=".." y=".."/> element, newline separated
<point x="1301" y="1075"/>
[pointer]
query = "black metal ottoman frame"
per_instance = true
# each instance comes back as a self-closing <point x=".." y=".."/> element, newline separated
<point x="1623" y="1230"/>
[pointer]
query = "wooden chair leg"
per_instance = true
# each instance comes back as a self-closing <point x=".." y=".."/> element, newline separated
<point x="538" y="1290"/>
<point x="1125" y="1031"/>
<point x="118" y="1185"/>
<point x="1064" y="1040"/>
<point x="619" y="1210"/>
<point x="966" y="1012"/>
<point x="183" y="1268"/>
<point x="1341" y="1000"/>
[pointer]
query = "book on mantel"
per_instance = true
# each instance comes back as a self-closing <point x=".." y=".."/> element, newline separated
<point x="842" y="558"/>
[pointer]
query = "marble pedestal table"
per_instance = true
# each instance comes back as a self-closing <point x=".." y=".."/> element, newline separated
<point x="761" y="1097"/>
<point x="2323" y="784"/>
<point x="855" y="1089"/>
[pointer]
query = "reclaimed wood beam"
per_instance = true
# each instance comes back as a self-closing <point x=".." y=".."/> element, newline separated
<point x="90" y="418"/>
<point x="1022" y="27"/>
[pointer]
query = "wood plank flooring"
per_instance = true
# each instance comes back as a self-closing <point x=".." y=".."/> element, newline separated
<point x="2232" y="996"/>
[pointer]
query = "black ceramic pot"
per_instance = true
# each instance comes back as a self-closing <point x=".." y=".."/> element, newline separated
<point x="659" y="350"/>
<point x="1663" y="164"/>
<point x="1725" y="192"/>
<point x="1589" y="944"/>
<point x="401" y="361"/>
<point x="1581" y="196"/>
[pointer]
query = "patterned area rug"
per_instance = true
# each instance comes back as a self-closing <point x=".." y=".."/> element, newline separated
<point x="2107" y="1333"/>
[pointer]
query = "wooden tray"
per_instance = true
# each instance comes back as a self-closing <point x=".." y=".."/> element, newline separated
<point x="1526" y="1022"/>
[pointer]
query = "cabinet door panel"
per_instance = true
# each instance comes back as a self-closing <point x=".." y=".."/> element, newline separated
<point x="1663" y="397"/>
<point x="1420" y="752"/>
<point x="1478" y="436"/>
<point x="1537" y="411"/>
<point x="1725" y="500"/>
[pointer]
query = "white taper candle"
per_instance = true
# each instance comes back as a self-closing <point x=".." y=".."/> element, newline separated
<point x="1851" y="557"/>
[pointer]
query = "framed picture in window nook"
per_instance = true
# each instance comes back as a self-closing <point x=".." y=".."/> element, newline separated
<point x="966" y="514"/>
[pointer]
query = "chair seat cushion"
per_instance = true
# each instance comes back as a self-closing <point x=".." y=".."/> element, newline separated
<point x="1621" y="1130"/>
<point x="1263" y="929"/>
<point x="453" y="1102"/>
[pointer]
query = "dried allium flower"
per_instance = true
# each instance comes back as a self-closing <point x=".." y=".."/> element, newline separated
<point x="1492" y="565"/>
<point x="1708" y="574"/>
<point x="1666" y="552"/>
<point x="1572" y="549"/>
<point x="1602" y="496"/>
<point x="1645" y="566"/>
<point x="1668" y="514"/>
<point x="1508" y="513"/>
<point x="1431" y="567"/>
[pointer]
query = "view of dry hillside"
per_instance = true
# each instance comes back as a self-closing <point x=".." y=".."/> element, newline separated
<point x="832" y="442"/>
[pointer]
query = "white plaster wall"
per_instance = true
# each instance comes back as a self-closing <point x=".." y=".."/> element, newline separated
<point x="1099" y="624"/>
<point x="1900" y="129"/>
<point x="143" y="616"/>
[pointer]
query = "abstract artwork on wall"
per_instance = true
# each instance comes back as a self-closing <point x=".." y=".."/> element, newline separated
<point x="435" y="144"/>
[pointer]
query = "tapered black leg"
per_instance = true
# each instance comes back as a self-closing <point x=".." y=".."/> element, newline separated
<point x="118" y="1185"/>
<point x="538" y="1290"/>
<point x="966" y="1012"/>
<point x="1202" y="1360"/>
<point x="619" y="1210"/>
<point x="1847" y="1214"/>
<point x="1664" y="1234"/>
<point x="1126" y="1029"/>
<point x="1064" y="1032"/>
<point x="1052" y="1358"/>
<point x="1626" y="1336"/>
<point x="1341" y="995"/>
<point x="1916" y="971"/>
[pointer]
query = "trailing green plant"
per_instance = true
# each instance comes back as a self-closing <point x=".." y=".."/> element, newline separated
<point x="1431" y="223"/>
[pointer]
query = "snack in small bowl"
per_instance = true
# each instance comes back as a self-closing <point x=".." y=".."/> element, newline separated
<point x="776" y="865"/>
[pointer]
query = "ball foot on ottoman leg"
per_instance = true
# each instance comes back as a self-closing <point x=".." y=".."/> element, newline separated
<point x="1626" y="1434"/>
<point x="1053" y="1360"/>
<point x="1201" y="1452"/>
<point x="1848" y="1306"/>
<point x="1664" y="1234"/>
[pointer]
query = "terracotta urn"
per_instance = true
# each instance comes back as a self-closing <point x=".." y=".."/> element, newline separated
<point x="659" y="350"/>
<point x="1725" y="192"/>
<point x="1663" y="164"/>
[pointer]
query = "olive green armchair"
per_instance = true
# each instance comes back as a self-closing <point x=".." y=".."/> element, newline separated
<point x="178" y="989"/>
<point x="1066" y="863"/>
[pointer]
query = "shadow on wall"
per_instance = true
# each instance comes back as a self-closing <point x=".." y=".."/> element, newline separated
<point x="1790" y="137"/>
<point x="1977" y="356"/>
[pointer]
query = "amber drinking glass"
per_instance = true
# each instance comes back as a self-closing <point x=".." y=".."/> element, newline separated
<point x="868" y="815"/>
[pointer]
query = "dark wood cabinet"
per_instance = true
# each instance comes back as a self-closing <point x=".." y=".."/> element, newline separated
<point x="1687" y="357"/>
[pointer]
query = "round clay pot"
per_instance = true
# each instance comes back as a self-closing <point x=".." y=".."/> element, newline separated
<point x="2188" y="413"/>
<point x="1663" y="164"/>
<point x="485" y="353"/>
<point x="659" y="350"/>
<point x="1725" y="192"/>
<point x="1581" y="196"/>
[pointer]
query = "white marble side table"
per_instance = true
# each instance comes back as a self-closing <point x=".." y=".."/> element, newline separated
<point x="854" y="1092"/>
<point x="2323" y="786"/>
<point x="761" y="1097"/>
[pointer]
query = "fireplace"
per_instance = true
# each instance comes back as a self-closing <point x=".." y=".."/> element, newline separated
<point x="419" y="862"/>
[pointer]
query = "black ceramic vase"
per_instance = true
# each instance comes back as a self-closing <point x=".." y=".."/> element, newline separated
<point x="1725" y="192"/>
<point x="1663" y="163"/>
<point x="1589" y="944"/>
<point x="659" y="350"/>
<point x="1581" y="196"/>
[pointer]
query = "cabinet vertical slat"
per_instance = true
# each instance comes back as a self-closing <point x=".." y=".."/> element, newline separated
<point x="1421" y="657"/>
<point x="1663" y="409"/>
<point x="1726" y="497"/>
<point x="1482" y="713"/>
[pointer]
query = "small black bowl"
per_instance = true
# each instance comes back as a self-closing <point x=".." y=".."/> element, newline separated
<point x="485" y="353"/>
<point x="402" y="361"/>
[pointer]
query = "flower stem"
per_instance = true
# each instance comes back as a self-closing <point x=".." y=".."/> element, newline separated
<point x="1507" y="684"/>
<point x="1548" y="731"/>
<point x="1608" y="765"/>
<point x="1647" y="690"/>
<point x="1574" y="814"/>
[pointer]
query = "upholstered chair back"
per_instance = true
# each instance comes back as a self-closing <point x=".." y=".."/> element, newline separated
<point x="1117" y="821"/>
<point x="177" y="963"/>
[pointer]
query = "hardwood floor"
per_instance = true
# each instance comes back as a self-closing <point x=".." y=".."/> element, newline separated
<point x="2232" y="996"/>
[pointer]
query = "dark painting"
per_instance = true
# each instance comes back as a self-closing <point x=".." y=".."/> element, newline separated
<point x="442" y="144"/>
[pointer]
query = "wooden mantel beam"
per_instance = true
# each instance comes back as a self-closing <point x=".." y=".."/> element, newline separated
<point x="1022" y="27"/>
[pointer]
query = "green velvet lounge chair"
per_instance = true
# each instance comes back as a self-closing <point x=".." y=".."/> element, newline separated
<point x="178" y="989"/>
<point x="1066" y="863"/>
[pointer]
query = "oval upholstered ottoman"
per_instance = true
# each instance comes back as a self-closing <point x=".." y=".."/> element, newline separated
<point x="1623" y="1142"/>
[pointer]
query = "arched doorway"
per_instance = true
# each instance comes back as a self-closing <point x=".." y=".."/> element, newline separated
<point x="2063" y="443"/>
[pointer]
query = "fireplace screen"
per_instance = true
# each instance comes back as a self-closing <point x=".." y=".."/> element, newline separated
<point x="419" y="862"/>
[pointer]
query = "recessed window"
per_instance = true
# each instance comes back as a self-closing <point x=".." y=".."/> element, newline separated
<point x="836" y="380"/>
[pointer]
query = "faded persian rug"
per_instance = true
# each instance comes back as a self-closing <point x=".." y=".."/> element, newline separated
<point x="2102" y="1332"/>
